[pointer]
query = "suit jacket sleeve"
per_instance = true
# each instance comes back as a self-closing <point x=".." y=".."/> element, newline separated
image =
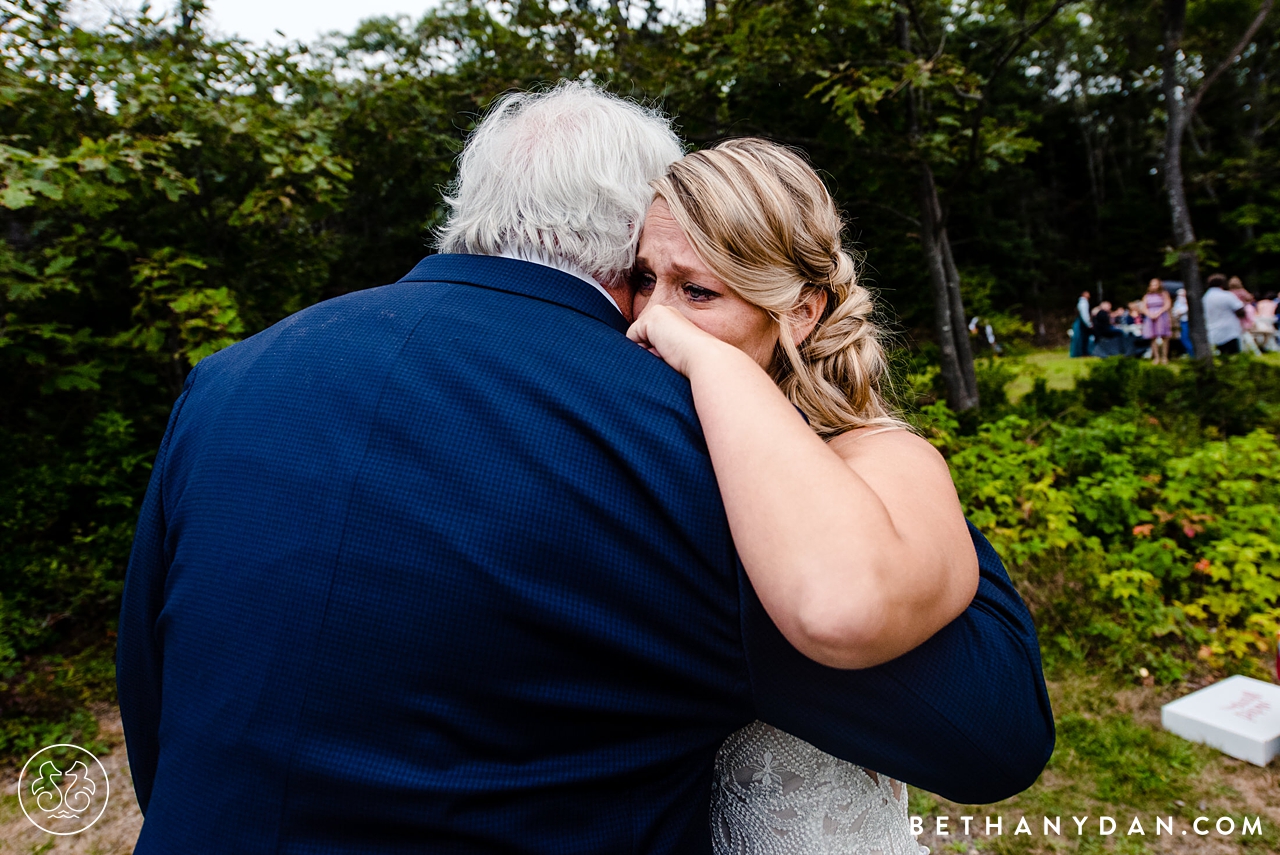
<point x="966" y="715"/>
<point x="138" y="655"/>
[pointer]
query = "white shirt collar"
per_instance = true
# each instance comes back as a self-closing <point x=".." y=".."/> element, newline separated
<point x="546" y="260"/>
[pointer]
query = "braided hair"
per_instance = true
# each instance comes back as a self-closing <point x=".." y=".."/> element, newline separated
<point x="759" y="216"/>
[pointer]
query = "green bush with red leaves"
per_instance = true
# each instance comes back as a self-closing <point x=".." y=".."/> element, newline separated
<point x="1146" y="536"/>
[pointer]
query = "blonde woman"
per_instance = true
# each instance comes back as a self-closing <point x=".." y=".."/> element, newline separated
<point x="847" y="524"/>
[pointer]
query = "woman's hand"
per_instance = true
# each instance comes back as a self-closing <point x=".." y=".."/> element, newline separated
<point x="668" y="334"/>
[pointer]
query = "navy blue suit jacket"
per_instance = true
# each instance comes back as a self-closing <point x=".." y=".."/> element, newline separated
<point x="442" y="567"/>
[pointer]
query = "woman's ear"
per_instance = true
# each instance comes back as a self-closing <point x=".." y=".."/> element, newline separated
<point x="805" y="316"/>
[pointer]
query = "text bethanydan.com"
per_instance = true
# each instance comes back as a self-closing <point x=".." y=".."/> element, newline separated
<point x="1081" y="826"/>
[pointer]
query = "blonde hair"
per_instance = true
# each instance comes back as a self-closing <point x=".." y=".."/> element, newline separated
<point x="759" y="217"/>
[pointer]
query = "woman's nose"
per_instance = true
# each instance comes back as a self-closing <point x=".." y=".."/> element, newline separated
<point x="664" y="295"/>
<point x="648" y="301"/>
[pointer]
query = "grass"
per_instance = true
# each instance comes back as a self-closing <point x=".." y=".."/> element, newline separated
<point x="1062" y="372"/>
<point x="1112" y="759"/>
<point x="1059" y="370"/>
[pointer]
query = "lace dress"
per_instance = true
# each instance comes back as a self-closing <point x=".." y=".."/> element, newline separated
<point x="775" y="794"/>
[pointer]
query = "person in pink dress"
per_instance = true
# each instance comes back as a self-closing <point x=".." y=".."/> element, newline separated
<point x="1157" y="323"/>
<point x="1247" y="324"/>
<point x="1264" y="324"/>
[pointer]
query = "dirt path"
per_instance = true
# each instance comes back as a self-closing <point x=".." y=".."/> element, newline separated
<point x="113" y="834"/>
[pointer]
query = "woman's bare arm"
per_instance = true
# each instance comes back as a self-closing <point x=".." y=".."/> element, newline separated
<point x="857" y="548"/>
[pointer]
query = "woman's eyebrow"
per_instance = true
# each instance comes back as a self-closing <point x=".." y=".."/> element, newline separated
<point x="680" y="270"/>
<point x="677" y="269"/>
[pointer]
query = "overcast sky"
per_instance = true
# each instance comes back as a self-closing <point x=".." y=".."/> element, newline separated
<point x="258" y="20"/>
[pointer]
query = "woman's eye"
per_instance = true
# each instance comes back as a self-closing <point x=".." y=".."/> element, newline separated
<point x="698" y="294"/>
<point x="645" y="282"/>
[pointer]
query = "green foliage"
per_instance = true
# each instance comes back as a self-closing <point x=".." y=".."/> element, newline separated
<point x="68" y="521"/>
<point x="1236" y="397"/>
<point x="165" y="192"/>
<point x="945" y="72"/>
<point x="1139" y="515"/>
<point x="22" y="735"/>
<point x="993" y="376"/>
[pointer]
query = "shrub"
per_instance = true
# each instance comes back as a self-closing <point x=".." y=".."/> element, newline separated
<point x="65" y="531"/>
<point x="1140" y="542"/>
<point x="1238" y="395"/>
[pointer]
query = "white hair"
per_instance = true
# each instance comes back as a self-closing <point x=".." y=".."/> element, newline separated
<point x="564" y="173"/>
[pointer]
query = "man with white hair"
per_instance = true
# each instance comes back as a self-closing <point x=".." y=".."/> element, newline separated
<point x="562" y="180"/>
<point x="442" y="566"/>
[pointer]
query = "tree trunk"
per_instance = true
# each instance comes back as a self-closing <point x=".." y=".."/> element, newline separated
<point x="950" y="323"/>
<point x="1257" y="77"/>
<point x="959" y="320"/>
<point x="961" y="395"/>
<point x="1184" y="235"/>
<point x="1180" y="104"/>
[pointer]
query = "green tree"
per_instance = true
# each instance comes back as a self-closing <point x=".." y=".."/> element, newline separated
<point x="1181" y="100"/>
<point x="926" y="85"/>
<point x="164" y="193"/>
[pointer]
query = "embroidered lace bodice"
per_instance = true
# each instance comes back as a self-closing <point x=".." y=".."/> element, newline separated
<point x="775" y="794"/>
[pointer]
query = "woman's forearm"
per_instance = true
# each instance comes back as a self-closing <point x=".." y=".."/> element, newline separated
<point x="819" y="545"/>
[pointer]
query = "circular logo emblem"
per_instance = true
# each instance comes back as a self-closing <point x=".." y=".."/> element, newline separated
<point x="63" y="789"/>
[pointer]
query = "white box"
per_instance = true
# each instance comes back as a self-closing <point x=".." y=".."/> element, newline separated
<point x="1239" y="716"/>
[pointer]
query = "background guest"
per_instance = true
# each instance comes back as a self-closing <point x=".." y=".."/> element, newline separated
<point x="1223" y="312"/>
<point x="1129" y="315"/>
<point x="1080" y="344"/>
<point x="1107" y="339"/>
<point x="984" y="332"/>
<point x="1264" y="324"/>
<point x="1247" y="342"/>
<point x="1180" y="316"/>
<point x="1157" y="324"/>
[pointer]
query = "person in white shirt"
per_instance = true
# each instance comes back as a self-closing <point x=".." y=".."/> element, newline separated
<point x="1180" y="318"/>
<point x="1080" y="343"/>
<point x="1223" y="312"/>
